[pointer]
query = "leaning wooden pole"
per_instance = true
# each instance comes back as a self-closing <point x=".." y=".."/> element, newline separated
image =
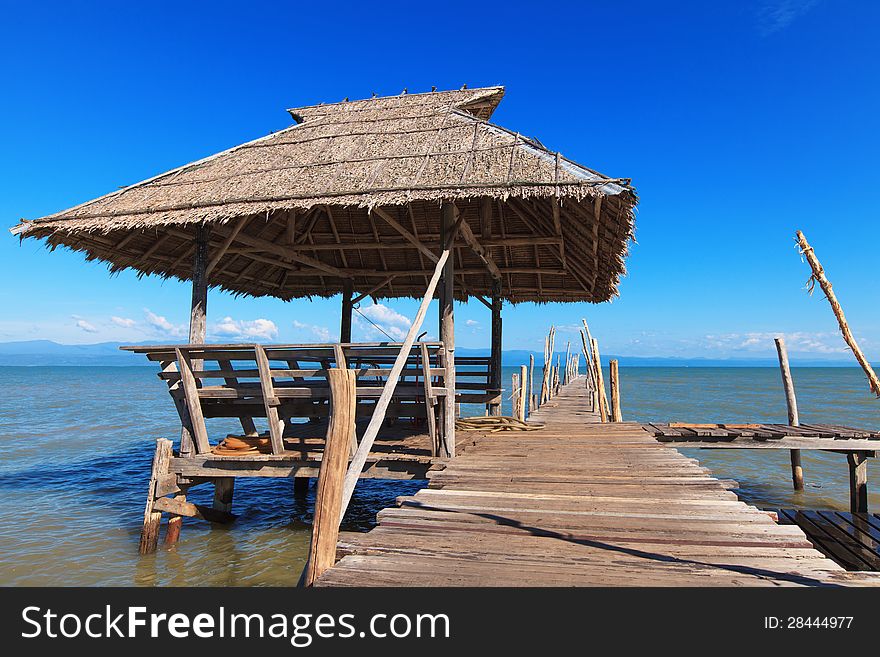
<point x="614" y="376"/>
<point x="328" y="498"/>
<point x="797" y="470"/>
<point x="820" y="278"/>
<point x="378" y="417"/>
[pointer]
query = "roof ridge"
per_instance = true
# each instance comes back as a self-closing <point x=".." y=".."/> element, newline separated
<point x="477" y="93"/>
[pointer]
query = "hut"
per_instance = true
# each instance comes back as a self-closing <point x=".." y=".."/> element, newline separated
<point x="416" y="195"/>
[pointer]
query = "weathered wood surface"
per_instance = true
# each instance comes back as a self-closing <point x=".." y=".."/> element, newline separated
<point x="766" y="436"/>
<point x="850" y="539"/>
<point x="578" y="503"/>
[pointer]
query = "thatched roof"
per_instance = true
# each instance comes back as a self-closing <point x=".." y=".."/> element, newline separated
<point x="295" y="213"/>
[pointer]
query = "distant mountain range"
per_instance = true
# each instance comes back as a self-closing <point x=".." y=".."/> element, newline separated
<point x="46" y="352"/>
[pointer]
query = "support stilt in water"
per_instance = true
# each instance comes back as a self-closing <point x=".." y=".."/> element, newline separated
<point x="152" y="519"/>
<point x="172" y="530"/>
<point x="300" y="486"/>
<point x="224" y="487"/>
<point x="797" y="470"/>
<point x="858" y="482"/>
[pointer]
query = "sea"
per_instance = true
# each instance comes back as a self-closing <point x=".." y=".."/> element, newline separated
<point x="77" y="443"/>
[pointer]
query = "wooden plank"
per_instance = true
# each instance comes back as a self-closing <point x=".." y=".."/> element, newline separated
<point x="270" y="401"/>
<point x="193" y="405"/>
<point x="190" y="510"/>
<point x="331" y="480"/>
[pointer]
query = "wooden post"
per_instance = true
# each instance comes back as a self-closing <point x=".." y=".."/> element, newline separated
<point x="858" y="482"/>
<point x="616" y="415"/>
<point x="797" y="470"/>
<point x="600" y="383"/>
<point x="531" y="383"/>
<point x="300" y="486"/>
<point x="328" y="498"/>
<point x="523" y="393"/>
<point x="345" y="326"/>
<point x="495" y="359"/>
<point x="224" y="487"/>
<point x="198" y="312"/>
<point x="447" y="326"/>
<point x="515" y="396"/>
<point x="152" y="519"/>
<point x="819" y="277"/>
<point x="567" y="372"/>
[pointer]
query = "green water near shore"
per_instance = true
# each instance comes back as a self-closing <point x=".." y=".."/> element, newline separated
<point x="77" y="444"/>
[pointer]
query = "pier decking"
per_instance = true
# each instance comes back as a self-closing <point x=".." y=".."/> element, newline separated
<point x="578" y="503"/>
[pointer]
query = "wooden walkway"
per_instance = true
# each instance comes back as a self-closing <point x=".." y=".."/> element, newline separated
<point x="578" y="504"/>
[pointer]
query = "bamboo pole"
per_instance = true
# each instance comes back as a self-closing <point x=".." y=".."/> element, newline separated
<point x="614" y="375"/>
<point x="797" y="470"/>
<point x="329" y="495"/>
<point x="819" y="277"/>
<point x="600" y="383"/>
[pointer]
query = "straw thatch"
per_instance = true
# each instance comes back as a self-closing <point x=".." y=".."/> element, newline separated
<point x="296" y="213"/>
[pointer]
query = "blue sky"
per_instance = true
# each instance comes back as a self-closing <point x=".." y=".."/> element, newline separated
<point x="739" y="122"/>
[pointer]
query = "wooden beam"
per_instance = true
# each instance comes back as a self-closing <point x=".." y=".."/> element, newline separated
<point x="486" y="218"/>
<point x="614" y="375"/>
<point x="221" y="251"/>
<point x="477" y="248"/>
<point x="152" y="516"/>
<point x="408" y="236"/>
<point x="190" y="510"/>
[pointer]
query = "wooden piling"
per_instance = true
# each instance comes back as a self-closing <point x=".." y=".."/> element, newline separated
<point x="532" y="403"/>
<point x="152" y="518"/>
<point x="175" y="521"/>
<point x="858" y="482"/>
<point x="300" y="486"/>
<point x="515" y="394"/>
<point x="797" y="470"/>
<point x="328" y="498"/>
<point x="224" y="488"/>
<point x="600" y="382"/>
<point x="614" y="375"/>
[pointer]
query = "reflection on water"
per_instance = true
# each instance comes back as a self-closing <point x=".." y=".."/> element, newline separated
<point x="77" y="444"/>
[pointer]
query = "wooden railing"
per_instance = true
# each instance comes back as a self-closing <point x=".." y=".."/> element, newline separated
<point x="281" y="382"/>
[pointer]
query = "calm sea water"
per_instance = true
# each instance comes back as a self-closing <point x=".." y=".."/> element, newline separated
<point x="77" y="443"/>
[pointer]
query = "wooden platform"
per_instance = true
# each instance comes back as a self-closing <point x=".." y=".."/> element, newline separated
<point x="850" y="539"/>
<point x="578" y="504"/>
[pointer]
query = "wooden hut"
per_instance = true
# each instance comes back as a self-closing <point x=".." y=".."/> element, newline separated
<point x="400" y="196"/>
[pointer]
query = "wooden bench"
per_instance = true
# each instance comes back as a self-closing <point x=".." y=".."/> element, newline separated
<point x="282" y="382"/>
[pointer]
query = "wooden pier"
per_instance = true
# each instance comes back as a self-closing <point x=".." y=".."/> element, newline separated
<point x="579" y="503"/>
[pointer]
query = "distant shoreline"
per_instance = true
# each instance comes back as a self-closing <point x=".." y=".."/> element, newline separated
<point x="46" y="353"/>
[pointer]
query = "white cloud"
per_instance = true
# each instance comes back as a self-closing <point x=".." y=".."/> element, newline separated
<point x="160" y="324"/>
<point x="762" y="341"/>
<point x="124" y="322"/>
<point x="471" y="322"/>
<point x="387" y="319"/>
<point x="257" y="329"/>
<point x="320" y="332"/>
<point x="776" y="15"/>
<point x="85" y="326"/>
